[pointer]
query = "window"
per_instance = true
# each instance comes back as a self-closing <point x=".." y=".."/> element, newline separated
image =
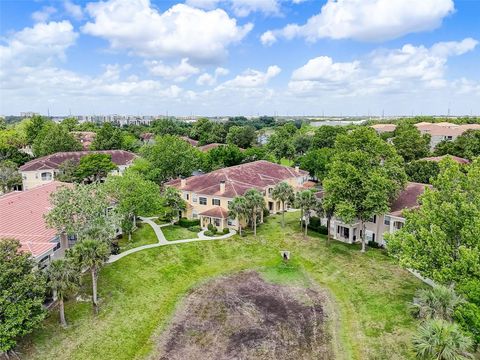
<point x="194" y="214"/>
<point x="194" y="197"/>
<point x="216" y="222"/>
<point x="46" y="176"/>
<point x="387" y="220"/>
<point x="374" y="219"/>
<point x="216" y="202"/>
<point x="202" y="200"/>
<point x="270" y="191"/>
<point x="186" y="196"/>
<point x="231" y="222"/>
<point x="369" y="235"/>
<point x="57" y="246"/>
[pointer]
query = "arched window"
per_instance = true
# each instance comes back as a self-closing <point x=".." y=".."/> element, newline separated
<point x="46" y="176"/>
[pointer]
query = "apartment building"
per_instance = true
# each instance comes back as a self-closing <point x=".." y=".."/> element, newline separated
<point x="43" y="170"/>
<point x="208" y="195"/>
<point x="380" y="224"/>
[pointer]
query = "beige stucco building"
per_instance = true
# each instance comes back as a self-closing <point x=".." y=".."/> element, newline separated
<point x="44" y="169"/>
<point x="380" y="224"/>
<point x="208" y="195"/>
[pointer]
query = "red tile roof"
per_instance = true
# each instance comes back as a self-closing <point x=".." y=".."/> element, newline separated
<point x="190" y="141"/>
<point x="53" y="161"/>
<point x="454" y="158"/>
<point x="238" y="179"/>
<point x="208" y="147"/>
<point x="216" y="212"/>
<point x="408" y="198"/>
<point x="21" y="218"/>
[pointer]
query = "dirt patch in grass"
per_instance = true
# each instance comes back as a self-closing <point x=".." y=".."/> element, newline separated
<point x="244" y="317"/>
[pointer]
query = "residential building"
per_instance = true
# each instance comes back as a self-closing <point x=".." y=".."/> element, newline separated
<point x="438" y="131"/>
<point x="22" y="218"/>
<point x="380" y="224"/>
<point x="43" y="170"/>
<point x="208" y="195"/>
<point x="84" y="137"/>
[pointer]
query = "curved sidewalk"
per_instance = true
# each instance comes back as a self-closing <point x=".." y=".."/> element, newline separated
<point x="162" y="241"/>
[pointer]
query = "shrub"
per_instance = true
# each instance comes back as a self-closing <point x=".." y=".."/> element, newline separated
<point x="212" y="228"/>
<point x="208" y="233"/>
<point x="316" y="225"/>
<point x="186" y="223"/>
<point x="195" y="229"/>
<point x="226" y="230"/>
<point x="374" y="244"/>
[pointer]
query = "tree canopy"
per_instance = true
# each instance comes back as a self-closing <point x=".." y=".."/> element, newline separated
<point x="422" y="171"/>
<point x="410" y="143"/>
<point x="93" y="167"/>
<point x="466" y="145"/>
<point x="366" y="174"/>
<point x="9" y="176"/>
<point x="223" y="156"/>
<point x="280" y="143"/>
<point x="54" y="138"/>
<point x="207" y="132"/>
<point x="108" y="137"/>
<point x="241" y="136"/>
<point x="21" y="296"/>
<point x="317" y="162"/>
<point x="325" y="136"/>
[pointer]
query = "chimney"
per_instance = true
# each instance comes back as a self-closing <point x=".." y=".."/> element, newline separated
<point x="222" y="186"/>
<point x="183" y="182"/>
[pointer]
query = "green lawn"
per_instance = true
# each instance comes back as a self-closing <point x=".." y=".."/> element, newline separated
<point x="175" y="232"/>
<point x="142" y="236"/>
<point x="139" y="294"/>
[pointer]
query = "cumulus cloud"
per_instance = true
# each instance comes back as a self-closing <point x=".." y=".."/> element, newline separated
<point x="43" y="14"/>
<point x="181" y="31"/>
<point x="369" y="20"/>
<point x="268" y="38"/>
<point x="409" y="68"/>
<point x="73" y="10"/>
<point x="252" y="78"/>
<point x="178" y="73"/>
<point x="38" y="44"/>
<point x="208" y="79"/>
<point x="240" y="8"/>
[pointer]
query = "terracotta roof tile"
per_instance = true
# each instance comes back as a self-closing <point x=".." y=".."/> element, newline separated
<point x="216" y="212"/>
<point x="21" y="218"/>
<point x="53" y="161"/>
<point x="408" y="198"/>
<point x="454" y="158"/>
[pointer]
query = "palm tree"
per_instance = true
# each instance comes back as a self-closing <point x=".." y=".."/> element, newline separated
<point x="91" y="255"/>
<point x="284" y="193"/>
<point x="441" y="340"/>
<point x="437" y="302"/>
<point x="63" y="278"/>
<point x="306" y="201"/>
<point x="237" y="209"/>
<point x="255" y="205"/>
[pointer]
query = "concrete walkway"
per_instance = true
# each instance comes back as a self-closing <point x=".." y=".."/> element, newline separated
<point x="162" y="241"/>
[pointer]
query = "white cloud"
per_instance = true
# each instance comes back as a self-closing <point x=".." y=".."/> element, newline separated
<point x="252" y="78"/>
<point x="408" y="69"/>
<point x="181" y="31"/>
<point x="208" y="79"/>
<point x="323" y="68"/>
<point x="38" y="44"/>
<point x="268" y="38"/>
<point x="73" y="10"/>
<point x="370" y="20"/>
<point x="177" y="73"/>
<point x="240" y="8"/>
<point x="44" y="14"/>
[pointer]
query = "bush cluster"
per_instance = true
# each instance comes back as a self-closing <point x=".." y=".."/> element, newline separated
<point x="316" y="225"/>
<point x="186" y="223"/>
<point x="195" y="229"/>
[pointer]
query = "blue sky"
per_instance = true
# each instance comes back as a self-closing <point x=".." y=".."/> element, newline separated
<point x="245" y="57"/>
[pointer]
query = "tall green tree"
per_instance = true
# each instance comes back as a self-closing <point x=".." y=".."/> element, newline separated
<point x="316" y="162"/>
<point x="280" y="143"/>
<point x="9" y="176"/>
<point x="241" y="136"/>
<point x="11" y="153"/>
<point x="63" y="279"/>
<point x="172" y="199"/>
<point x="91" y="255"/>
<point x="54" y="138"/>
<point x="169" y="158"/>
<point x="441" y="340"/>
<point x="237" y="209"/>
<point x="441" y="239"/>
<point x="108" y="137"/>
<point x="94" y="167"/>
<point x="22" y="293"/>
<point x="284" y="193"/>
<point x="325" y="136"/>
<point x="223" y="156"/>
<point x="34" y="126"/>
<point x="207" y="132"/>
<point x="133" y="196"/>
<point x="410" y="143"/>
<point x="82" y="210"/>
<point x="69" y="123"/>
<point x="168" y="126"/>
<point x="422" y="171"/>
<point x="255" y="204"/>
<point x="365" y="176"/>
<point x="67" y="171"/>
<point x="306" y="201"/>
<point x="466" y="145"/>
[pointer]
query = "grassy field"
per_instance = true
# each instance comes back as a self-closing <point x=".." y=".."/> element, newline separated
<point x="175" y="232"/>
<point x="140" y="292"/>
<point x="144" y="235"/>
